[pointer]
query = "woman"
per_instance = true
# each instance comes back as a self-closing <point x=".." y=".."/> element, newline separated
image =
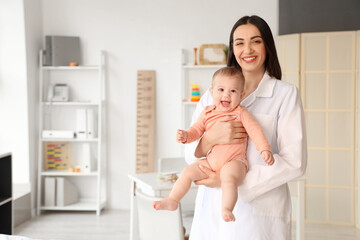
<point x="263" y="209"/>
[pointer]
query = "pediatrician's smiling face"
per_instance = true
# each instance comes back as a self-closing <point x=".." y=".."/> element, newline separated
<point x="249" y="48"/>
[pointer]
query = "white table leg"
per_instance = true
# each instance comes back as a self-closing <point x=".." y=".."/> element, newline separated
<point x="133" y="214"/>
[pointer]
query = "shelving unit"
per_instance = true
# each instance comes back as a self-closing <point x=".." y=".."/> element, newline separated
<point x="87" y="91"/>
<point x="194" y="74"/>
<point x="6" y="198"/>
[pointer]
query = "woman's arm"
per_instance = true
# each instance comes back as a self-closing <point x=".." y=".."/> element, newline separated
<point x="291" y="159"/>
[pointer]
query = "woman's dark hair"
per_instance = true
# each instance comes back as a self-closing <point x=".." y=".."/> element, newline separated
<point x="272" y="65"/>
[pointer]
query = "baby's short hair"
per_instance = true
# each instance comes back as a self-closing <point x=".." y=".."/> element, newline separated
<point x="229" y="71"/>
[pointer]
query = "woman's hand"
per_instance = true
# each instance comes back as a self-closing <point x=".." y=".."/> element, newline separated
<point x="224" y="131"/>
<point x="213" y="179"/>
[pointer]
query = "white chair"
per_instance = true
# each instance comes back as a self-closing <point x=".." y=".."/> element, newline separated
<point x="159" y="225"/>
<point x="170" y="165"/>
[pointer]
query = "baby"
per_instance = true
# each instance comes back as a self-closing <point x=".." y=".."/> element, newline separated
<point x="228" y="159"/>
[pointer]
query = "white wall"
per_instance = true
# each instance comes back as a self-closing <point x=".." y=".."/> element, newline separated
<point x="14" y="117"/>
<point x="144" y="35"/>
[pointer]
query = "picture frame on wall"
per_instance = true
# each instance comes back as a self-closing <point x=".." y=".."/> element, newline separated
<point x="213" y="54"/>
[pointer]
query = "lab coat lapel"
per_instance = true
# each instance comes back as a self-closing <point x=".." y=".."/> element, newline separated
<point x="265" y="89"/>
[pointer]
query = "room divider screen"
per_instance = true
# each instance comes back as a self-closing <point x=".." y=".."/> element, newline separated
<point x="325" y="67"/>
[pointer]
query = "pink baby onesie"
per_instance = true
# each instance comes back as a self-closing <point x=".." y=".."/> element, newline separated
<point x="220" y="154"/>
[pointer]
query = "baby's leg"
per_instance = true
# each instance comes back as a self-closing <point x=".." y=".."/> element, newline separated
<point x="232" y="174"/>
<point x="190" y="173"/>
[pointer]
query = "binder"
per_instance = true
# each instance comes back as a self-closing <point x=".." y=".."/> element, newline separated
<point x="87" y="165"/>
<point x="81" y="129"/>
<point x="85" y="123"/>
<point x="90" y="120"/>
<point x="66" y="192"/>
<point x="50" y="191"/>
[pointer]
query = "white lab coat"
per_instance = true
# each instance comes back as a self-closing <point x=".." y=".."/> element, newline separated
<point x="263" y="209"/>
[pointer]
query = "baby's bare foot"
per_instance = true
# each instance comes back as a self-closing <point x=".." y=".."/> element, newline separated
<point x="228" y="216"/>
<point x="166" y="204"/>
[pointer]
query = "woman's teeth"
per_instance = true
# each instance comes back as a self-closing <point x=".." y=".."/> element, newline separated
<point x="249" y="59"/>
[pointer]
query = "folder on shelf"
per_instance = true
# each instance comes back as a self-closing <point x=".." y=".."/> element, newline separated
<point x="87" y="159"/>
<point x="90" y="123"/>
<point x="81" y="129"/>
<point x="50" y="191"/>
<point x="85" y="123"/>
<point x="66" y="192"/>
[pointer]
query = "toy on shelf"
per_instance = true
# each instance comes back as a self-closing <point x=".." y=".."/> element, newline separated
<point x="56" y="156"/>
<point x="195" y="93"/>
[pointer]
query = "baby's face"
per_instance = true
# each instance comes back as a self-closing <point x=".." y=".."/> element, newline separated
<point x="226" y="91"/>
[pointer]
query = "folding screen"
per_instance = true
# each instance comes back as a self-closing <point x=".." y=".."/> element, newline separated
<point x="327" y="84"/>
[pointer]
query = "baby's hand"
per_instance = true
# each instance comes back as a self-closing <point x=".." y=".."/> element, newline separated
<point x="181" y="136"/>
<point x="268" y="157"/>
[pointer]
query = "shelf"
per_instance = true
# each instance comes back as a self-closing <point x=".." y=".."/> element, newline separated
<point x="202" y="66"/>
<point x="82" y="205"/>
<point x="69" y="140"/>
<point x="4" y="200"/>
<point x="94" y="67"/>
<point x="68" y="174"/>
<point x="189" y="103"/>
<point x="70" y="104"/>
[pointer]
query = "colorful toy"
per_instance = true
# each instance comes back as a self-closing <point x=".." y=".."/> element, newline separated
<point x="57" y="156"/>
<point x="195" y="93"/>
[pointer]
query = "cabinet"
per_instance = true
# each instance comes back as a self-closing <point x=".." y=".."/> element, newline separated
<point x="194" y="74"/>
<point x="80" y="157"/>
<point x="6" y="205"/>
